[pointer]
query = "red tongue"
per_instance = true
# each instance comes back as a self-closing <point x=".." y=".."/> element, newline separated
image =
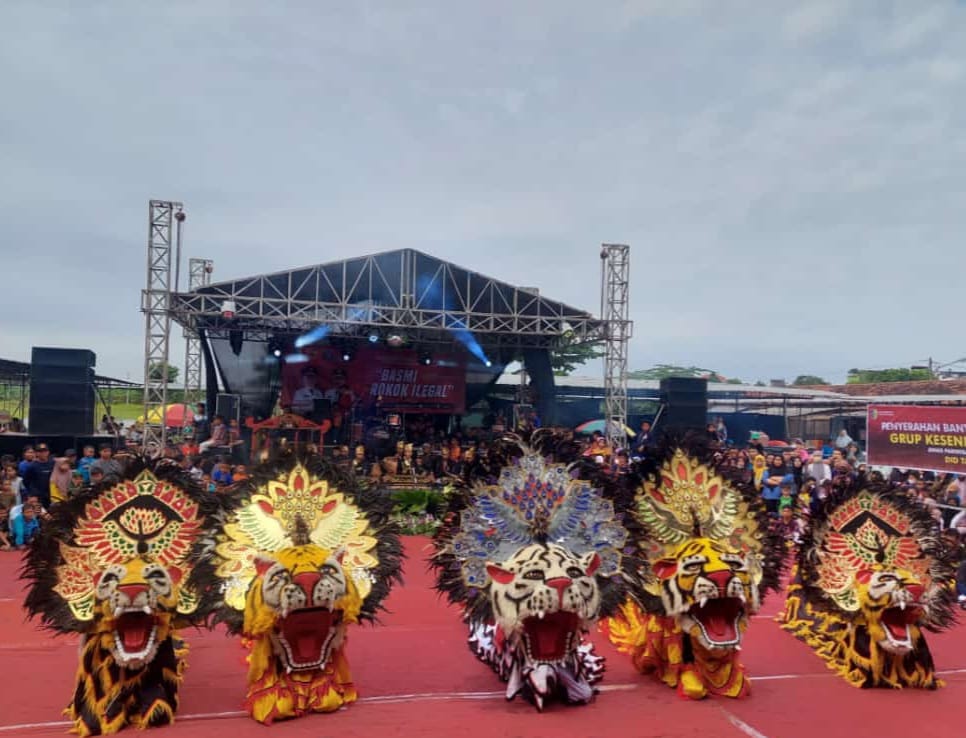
<point x="548" y="636"/>
<point x="896" y="620"/>
<point x="718" y="617"/>
<point x="306" y="631"/>
<point x="135" y="630"/>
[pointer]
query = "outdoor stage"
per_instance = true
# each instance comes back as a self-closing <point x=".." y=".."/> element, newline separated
<point x="416" y="677"/>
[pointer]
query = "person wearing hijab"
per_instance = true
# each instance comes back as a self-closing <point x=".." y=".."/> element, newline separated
<point x="60" y="480"/>
<point x="758" y="467"/>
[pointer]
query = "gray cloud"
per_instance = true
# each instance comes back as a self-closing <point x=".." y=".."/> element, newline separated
<point x="789" y="175"/>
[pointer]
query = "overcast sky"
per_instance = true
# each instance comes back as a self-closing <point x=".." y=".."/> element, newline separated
<point x="790" y="175"/>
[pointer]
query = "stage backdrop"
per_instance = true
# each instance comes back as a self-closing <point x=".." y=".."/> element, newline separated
<point x="917" y="437"/>
<point x="403" y="383"/>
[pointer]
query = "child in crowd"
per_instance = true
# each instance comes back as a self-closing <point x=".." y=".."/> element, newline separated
<point x="787" y="498"/>
<point x="84" y="463"/>
<point x="16" y="483"/>
<point x="77" y="483"/>
<point x="221" y="475"/>
<point x="7" y="502"/>
<point x="25" y="525"/>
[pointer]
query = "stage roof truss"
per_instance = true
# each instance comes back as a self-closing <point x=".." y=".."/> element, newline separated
<point x="403" y="289"/>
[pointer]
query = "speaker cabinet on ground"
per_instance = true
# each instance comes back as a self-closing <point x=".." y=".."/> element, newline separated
<point x="685" y="401"/>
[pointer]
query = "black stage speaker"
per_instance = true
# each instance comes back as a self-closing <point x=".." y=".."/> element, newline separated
<point x="685" y="401"/>
<point x="228" y="407"/>
<point x="62" y="391"/>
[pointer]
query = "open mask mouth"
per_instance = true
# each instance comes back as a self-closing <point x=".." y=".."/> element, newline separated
<point x="897" y="622"/>
<point x="719" y="620"/>
<point x="135" y="636"/>
<point x="550" y="638"/>
<point x="305" y="637"/>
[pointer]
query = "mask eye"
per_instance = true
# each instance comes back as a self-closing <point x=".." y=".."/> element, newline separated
<point x="534" y="574"/>
<point x="574" y="573"/>
<point x="329" y="571"/>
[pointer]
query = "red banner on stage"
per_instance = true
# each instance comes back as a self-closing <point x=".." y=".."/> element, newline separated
<point x="395" y="378"/>
<point x="917" y="437"/>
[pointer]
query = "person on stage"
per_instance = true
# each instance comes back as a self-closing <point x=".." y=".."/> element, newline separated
<point x="303" y="401"/>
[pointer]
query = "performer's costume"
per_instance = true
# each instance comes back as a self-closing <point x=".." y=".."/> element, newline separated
<point x="536" y="559"/>
<point x="305" y="554"/>
<point x="872" y="574"/>
<point x="113" y="564"/>
<point x="712" y="558"/>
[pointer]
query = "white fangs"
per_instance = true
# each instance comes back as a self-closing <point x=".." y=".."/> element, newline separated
<point x="902" y="604"/>
<point x="702" y="602"/>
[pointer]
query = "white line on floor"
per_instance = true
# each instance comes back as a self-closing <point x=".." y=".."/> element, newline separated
<point x="743" y="726"/>
<point x="390" y="699"/>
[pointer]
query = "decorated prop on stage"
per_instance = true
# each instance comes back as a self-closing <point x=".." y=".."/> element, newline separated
<point x="285" y="430"/>
<point x="305" y="555"/>
<point x="872" y="574"/>
<point x="712" y="560"/>
<point x="536" y="559"/>
<point x="112" y="564"/>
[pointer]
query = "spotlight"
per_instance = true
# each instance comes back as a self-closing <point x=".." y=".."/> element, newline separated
<point x="373" y="337"/>
<point x="275" y="347"/>
<point x="395" y="340"/>
<point x="228" y="309"/>
<point x="347" y="355"/>
<point x="487" y="363"/>
<point x="425" y="358"/>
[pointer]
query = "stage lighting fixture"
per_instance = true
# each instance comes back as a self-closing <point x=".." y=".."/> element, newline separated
<point x="373" y="337"/>
<point x="487" y="363"/>
<point x="425" y="359"/>
<point x="346" y="355"/>
<point x="395" y="340"/>
<point x="275" y="347"/>
<point x="228" y="309"/>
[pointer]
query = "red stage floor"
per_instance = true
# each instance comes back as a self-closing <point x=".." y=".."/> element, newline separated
<point x="417" y="678"/>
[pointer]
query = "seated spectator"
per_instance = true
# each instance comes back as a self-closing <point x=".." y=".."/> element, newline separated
<point x="221" y="476"/>
<point x="11" y="477"/>
<point x="77" y="483"/>
<point x="239" y="473"/>
<point x="25" y="526"/>
<point x="5" y="544"/>
<point x="789" y="527"/>
<point x="97" y="475"/>
<point x="219" y="435"/>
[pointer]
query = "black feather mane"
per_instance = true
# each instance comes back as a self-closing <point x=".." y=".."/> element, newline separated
<point x="556" y="448"/>
<point x="44" y="556"/>
<point x="375" y="505"/>
<point x="924" y="528"/>
<point x="698" y="446"/>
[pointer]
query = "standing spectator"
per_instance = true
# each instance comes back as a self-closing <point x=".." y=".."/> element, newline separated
<point x="789" y="527"/>
<point x="84" y="463"/>
<point x="28" y="457"/>
<point x="818" y="469"/>
<point x="644" y="440"/>
<point x="16" y="483"/>
<point x="60" y="480"/>
<point x="843" y="440"/>
<point x="37" y="477"/>
<point x="109" y="467"/>
<point x="771" y="484"/>
<point x="202" y="427"/>
<point x="721" y="430"/>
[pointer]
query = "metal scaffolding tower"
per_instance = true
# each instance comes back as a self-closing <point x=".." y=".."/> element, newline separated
<point x="199" y="275"/>
<point x="615" y="311"/>
<point x="165" y="221"/>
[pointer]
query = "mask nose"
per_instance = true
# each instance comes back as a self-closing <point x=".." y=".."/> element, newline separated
<point x="560" y="584"/>
<point x="307" y="581"/>
<point x="915" y="590"/>
<point x="133" y="590"/>
<point x="721" y="579"/>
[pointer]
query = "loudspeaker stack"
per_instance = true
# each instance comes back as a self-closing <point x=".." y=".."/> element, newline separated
<point x="685" y="401"/>
<point x="62" y="391"/>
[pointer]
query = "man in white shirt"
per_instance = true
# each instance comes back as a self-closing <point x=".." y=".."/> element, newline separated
<point x="817" y="469"/>
<point x="303" y="401"/>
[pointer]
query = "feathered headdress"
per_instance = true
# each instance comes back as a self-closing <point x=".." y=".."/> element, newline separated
<point x="686" y="495"/>
<point x="874" y="525"/>
<point x="533" y="500"/>
<point x="156" y="511"/>
<point x="294" y="500"/>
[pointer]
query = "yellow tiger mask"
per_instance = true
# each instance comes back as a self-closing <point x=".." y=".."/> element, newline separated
<point x="113" y="564"/>
<point x="871" y="576"/>
<point x="712" y="555"/>
<point x="296" y="613"/>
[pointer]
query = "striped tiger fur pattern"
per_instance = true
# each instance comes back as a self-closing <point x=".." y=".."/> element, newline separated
<point x="544" y="598"/>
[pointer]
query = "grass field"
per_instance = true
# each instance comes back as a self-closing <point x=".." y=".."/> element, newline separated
<point x="120" y="410"/>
